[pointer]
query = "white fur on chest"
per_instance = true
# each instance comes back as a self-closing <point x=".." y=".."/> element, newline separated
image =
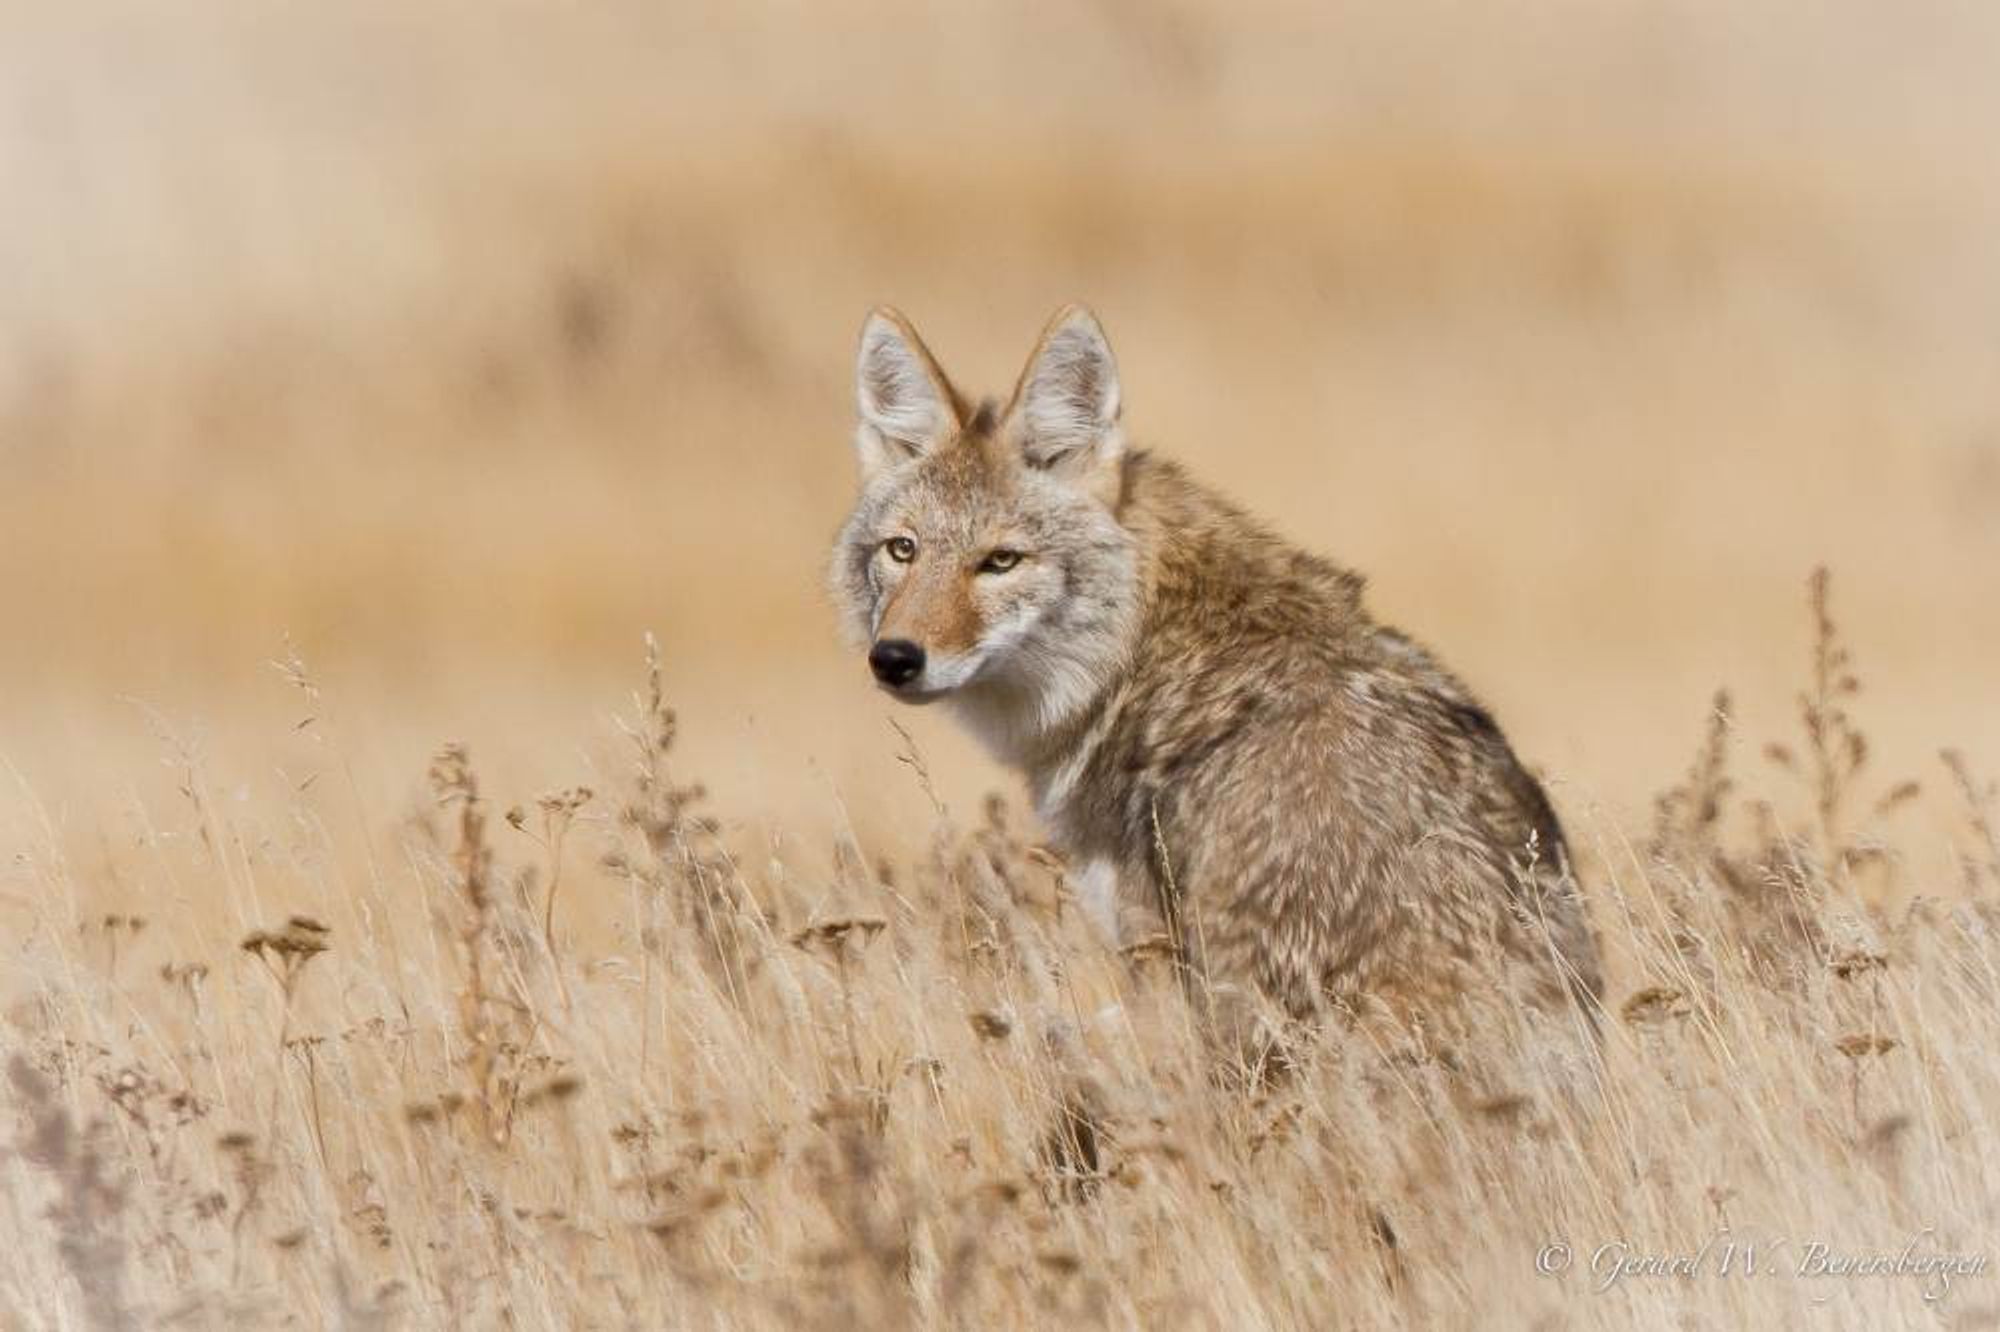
<point x="1096" y="889"/>
<point x="1053" y="797"/>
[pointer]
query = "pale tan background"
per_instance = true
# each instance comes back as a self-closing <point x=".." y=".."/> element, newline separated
<point x="460" y="347"/>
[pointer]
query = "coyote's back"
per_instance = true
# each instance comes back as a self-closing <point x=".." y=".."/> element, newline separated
<point x="1227" y="748"/>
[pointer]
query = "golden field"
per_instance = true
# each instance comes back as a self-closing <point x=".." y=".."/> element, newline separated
<point x="375" y="379"/>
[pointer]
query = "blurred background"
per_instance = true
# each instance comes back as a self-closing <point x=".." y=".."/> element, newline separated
<point x="451" y="348"/>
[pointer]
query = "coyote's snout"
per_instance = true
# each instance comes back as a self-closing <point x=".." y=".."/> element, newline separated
<point x="1224" y="743"/>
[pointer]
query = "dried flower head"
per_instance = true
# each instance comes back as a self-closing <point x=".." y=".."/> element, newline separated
<point x="992" y="1024"/>
<point x="832" y="935"/>
<point x="1853" y="962"/>
<point x="1860" y="1045"/>
<point x="1654" y="1004"/>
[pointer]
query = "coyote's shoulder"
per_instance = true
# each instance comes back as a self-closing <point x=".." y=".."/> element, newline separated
<point x="1217" y="734"/>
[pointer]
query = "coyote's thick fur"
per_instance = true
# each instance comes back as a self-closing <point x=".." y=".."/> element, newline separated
<point x="1224" y="745"/>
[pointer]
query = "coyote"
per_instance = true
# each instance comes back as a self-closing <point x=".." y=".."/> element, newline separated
<point x="1222" y="743"/>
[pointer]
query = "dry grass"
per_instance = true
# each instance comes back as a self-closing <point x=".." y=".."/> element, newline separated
<point x="403" y="1083"/>
<point x="462" y="349"/>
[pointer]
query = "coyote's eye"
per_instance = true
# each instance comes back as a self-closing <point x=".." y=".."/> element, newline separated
<point x="901" y="549"/>
<point x="1000" y="561"/>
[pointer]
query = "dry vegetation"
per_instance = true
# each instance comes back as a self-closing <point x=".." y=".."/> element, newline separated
<point x="437" y="351"/>
<point x="583" y="1062"/>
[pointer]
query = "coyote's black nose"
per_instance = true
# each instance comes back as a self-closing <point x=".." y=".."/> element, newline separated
<point x="896" y="661"/>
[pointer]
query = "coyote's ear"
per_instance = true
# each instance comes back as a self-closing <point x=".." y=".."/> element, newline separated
<point x="907" y="405"/>
<point x="1064" y="416"/>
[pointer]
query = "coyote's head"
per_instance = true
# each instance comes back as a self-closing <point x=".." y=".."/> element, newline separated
<point x="985" y="560"/>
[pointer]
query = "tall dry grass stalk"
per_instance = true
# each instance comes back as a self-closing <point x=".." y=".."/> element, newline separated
<point x="741" y="1082"/>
